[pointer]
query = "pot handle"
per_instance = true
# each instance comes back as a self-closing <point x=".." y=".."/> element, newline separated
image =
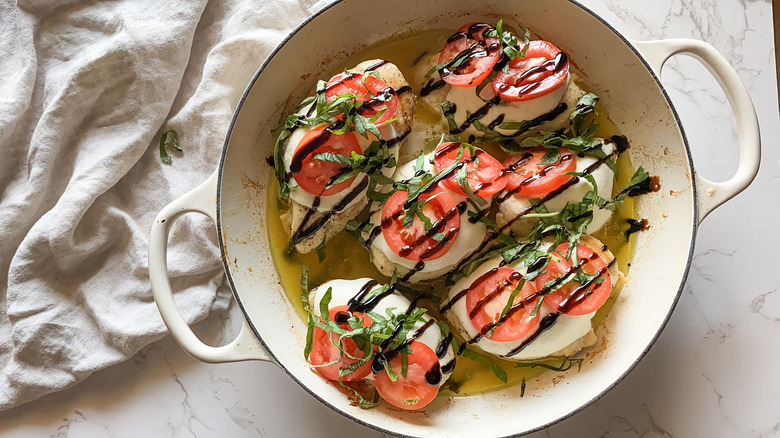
<point x="712" y="194"/>
<point x="246" y="346"/>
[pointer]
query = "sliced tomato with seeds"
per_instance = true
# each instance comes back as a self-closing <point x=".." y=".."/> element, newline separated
<point x="473" y="51"/>
<point x="572" y="298"/>
<point x="325" y="348"/>
<point x="376" y="94"/>
<point x="487" y="297"/>
<point x="485" y="174"/>
<point x="413" y="391"/>
<point x="416" y="243"/>
<point x="542" y="70"/>
<point x="526" y="176"/>
<point x="314" y="175"/>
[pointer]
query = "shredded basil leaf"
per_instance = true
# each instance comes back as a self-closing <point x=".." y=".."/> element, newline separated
<point x="173" y="143"/>
<point x="473" y="355"/>
<point x="321" y="250"/>
<point x="565" y="365"/>
<point x="305" y="287"/>
<point x="309" y="336"/>
<point x="324" y="302"/>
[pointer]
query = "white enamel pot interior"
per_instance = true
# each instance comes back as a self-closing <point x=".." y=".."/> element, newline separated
<point x="622" y="72"/>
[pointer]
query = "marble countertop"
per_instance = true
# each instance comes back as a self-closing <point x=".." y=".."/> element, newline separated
<point x="711" y="372"/>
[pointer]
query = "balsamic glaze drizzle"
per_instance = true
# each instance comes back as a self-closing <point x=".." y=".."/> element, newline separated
<point x="546" y="322"/>
<point x="305" y="229"/>
<point x="387" y="354"/>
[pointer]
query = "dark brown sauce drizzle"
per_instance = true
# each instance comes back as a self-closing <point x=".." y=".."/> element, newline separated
<point x="372" y="235"/>
<point x="450" y="110"/>
<point x="544" y="325"/>
<point x="435" y="228"/>
<point x="519" y="306"/>
<point x="476" y="218"/>
<point x="431" y="86"/>
<point x="583" y="291"/>
<point x="476" y="49"/>
<point x="496" y="122"/>
<point x="433" y="376"/>
<point x="305" y="229"/>
<point x="476" y="115"/>
<point x="342" y="317"/>
<point x="549" y="320"/>
<point x="448" y="367"/>
<point x="441" y="349"/>
<point x="498" y="290"/>
<point x="538" y="120"/>
<point x="635" y="226"/>
<point x="390" y="143"/>
<point x="401" y="90"/>
<point x="417" y="268"/>
<point x="434" y="184"/>
<point x="550" y="66"/>
<point x="388" y="354"/>
<point x="358" y="303"/>
<point x="536" y="176"/>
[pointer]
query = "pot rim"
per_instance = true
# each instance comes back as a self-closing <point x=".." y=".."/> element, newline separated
<point x="631" y="367"/>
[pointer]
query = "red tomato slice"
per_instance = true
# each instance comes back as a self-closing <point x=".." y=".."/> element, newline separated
<point x="324" y="349"/>
<point x="376" y="94"/>
<point x="527" y="177"/>
<point x="412" y="392"/>
<point x="593" y="297"/>
<point x="314" y="175"/>
<point x="481" y="53"/>
<point x="542" y="70"/>
<point x="415" y="243"/>
<point x="485" y="173"/>
<point x="487" y="297"/>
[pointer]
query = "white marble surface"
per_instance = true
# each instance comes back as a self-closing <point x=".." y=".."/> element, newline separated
<point x="711" y="373"/>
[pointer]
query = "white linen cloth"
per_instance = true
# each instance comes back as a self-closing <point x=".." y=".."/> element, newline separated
<point x="86" y="90"/>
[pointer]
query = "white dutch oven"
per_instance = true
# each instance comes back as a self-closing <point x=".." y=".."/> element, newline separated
<point x="624" y="73"/>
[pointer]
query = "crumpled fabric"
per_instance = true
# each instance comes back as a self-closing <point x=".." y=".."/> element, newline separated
<point x="87" y="88"/>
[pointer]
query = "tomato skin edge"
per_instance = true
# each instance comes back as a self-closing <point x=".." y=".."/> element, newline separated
<point x="323" y="350"/>
<point x="495" y="181"/>
<point x="518" y="67"/>
<point x="555" y="173"/>
<point x="414" y="387"/>
<point x="397" y="237"/>
<point x="484" y="64"/>
<point x="597" y="294"/>
<point x="313" y="175"/>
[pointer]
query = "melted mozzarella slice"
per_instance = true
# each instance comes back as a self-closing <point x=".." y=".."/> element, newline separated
<point x="467" y="102"/>
<point x="512" y="207"/>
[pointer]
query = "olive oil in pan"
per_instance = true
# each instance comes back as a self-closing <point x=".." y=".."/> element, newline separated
<point x="348" y="259"/>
